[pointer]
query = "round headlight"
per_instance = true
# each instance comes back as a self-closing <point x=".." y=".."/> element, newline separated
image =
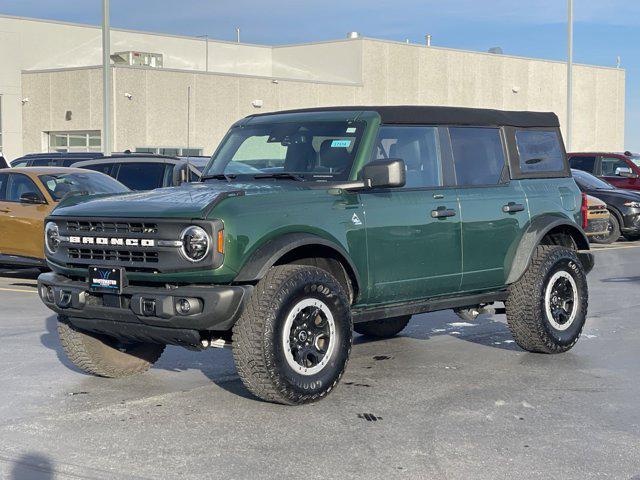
<point x="195" y="243"/>
<point x="51" y="237"/>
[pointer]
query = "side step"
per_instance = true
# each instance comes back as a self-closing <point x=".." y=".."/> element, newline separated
<point x="425" y="306"/>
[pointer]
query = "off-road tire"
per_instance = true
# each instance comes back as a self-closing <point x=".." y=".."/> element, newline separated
<point x="258" y="335"/>
<point x="99" y="354"/>
<point x="613" y="232"/>
<point x="383" y="328"/>
<point x="527" y="314"/>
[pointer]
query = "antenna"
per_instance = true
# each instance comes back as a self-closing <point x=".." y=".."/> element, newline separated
<point x="188" y="131"/>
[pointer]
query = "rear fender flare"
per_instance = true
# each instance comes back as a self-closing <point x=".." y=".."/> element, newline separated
<point x="538" y="229"/>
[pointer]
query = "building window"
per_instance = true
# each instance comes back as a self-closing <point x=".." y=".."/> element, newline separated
<point x="171" y="151"/>
<point x="75" y="141"/>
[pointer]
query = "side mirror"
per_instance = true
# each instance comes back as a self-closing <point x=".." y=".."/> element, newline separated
<point x="31" y="198"/>
<point x="387" y="173"/>
<point x="625" y="172"/>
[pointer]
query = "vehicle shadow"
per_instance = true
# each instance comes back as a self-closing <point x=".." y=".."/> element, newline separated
<point x="20" y="273"/>
<point x="217" y="364"/>
<point x="32" y="466"/>
<point x="487" y="330"/>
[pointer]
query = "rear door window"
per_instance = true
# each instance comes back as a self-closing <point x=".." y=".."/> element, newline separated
<point x="586" y="164"/>
<point x="141" y="176"/>
<point x="478" y="155"/>
<point x="539" y="151"/>
<point x="41" y="162"/>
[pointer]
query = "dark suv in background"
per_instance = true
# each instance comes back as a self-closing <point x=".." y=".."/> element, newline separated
<point x="54" y="159"/>
<point x="146" y="172"/>
<point x="623" y="206"/>
<point x="622" y="170"/>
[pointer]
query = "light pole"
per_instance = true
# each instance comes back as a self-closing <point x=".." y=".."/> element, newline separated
<point x="106" y="80"/>
<point x="569" y="75"/>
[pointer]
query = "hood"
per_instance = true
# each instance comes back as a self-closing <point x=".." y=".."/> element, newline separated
<point x="191" y="200"/>
<point x="617" y="194"/>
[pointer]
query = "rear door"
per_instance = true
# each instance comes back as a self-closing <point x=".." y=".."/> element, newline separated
<point x="493" y="209"/>
<point x="413" y="232"/>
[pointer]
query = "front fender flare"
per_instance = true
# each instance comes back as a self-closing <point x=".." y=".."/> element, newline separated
<point x="265" y="256"/>
<point x="537" y="230"/>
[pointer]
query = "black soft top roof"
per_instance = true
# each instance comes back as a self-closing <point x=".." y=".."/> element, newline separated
<point x="432" y="115"/>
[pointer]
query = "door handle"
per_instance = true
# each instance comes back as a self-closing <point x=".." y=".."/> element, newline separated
<point x="512" y="207"/>
<point x="443" y="213"/>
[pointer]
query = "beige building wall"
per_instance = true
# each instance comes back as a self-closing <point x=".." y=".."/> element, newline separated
<point x="390" y="73"/>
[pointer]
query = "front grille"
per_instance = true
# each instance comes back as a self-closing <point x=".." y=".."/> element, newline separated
<point x="127" y="256"/>
<point x="111" y="227"/>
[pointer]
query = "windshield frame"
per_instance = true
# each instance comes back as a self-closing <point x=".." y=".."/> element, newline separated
<point x="370" y="119"/>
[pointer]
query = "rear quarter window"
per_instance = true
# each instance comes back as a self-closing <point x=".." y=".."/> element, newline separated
<point x="539" y="151"/>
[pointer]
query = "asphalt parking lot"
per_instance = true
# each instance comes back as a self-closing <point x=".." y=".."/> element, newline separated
<point x="445" y="399"/>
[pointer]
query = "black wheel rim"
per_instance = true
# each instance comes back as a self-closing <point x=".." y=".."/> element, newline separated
<point x="308" y="336"/>
<point x="561" y="300"/>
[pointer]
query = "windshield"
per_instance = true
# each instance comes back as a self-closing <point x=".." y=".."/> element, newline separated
<point x="60" y="184"/>
<point x="314" y="150"/>
<point x="589" y="182"/>
<point x="635" y="159"/>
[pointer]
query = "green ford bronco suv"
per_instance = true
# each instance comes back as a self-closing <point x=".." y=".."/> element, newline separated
<point x="310" y="224"/>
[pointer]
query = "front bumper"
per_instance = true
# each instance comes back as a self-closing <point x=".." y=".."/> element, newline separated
<point x="145" y="312"/>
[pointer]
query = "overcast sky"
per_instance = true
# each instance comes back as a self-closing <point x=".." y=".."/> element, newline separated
<point x="604" y="29"/>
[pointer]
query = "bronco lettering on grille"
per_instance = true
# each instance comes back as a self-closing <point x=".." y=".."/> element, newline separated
<point x="129" y="242"/>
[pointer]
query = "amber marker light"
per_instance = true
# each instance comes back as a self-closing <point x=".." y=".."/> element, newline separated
<point x="220" y="245"/>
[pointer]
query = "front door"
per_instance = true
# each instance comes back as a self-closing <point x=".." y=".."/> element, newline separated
<point x="413" y="233"/>
<point x="612" y="168"/>
<point x="23" y="223"/>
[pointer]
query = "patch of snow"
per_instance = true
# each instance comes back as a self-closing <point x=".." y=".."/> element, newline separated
<point x="455" y="333"/>
<point x="499" y="403"/>
<point x="438" y="330"/>
<point x="586" y="335"/>
<point x="527" y="405"/>
<point x="461" y="324"/>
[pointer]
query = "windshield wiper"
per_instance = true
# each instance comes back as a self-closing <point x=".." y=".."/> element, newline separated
<point x="219" y="176"/>
<point x="290" y="176"/>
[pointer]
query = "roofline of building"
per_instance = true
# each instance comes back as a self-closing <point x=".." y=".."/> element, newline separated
<point x="494" y="55"/>
<point x="198" y="72"/>
<point x="229" y="42"/>
<point x="126" y="30"/>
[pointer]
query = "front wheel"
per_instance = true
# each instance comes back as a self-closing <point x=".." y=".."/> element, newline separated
<point x="293" y="340"/>
<point x="547" y="308"/>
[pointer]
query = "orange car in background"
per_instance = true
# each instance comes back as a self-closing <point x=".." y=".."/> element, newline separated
<point x="28" y="195"/>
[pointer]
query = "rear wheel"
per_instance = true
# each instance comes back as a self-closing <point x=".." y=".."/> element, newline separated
<point x="547" y="308"/>
<point x="383" y="328"/>
<point x="613" y="231"/>
<point x="105" y="356"/>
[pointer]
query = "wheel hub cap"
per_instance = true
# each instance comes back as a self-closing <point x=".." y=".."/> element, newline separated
<point x="561" y="299"/>
<point x="308" y="336"/>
